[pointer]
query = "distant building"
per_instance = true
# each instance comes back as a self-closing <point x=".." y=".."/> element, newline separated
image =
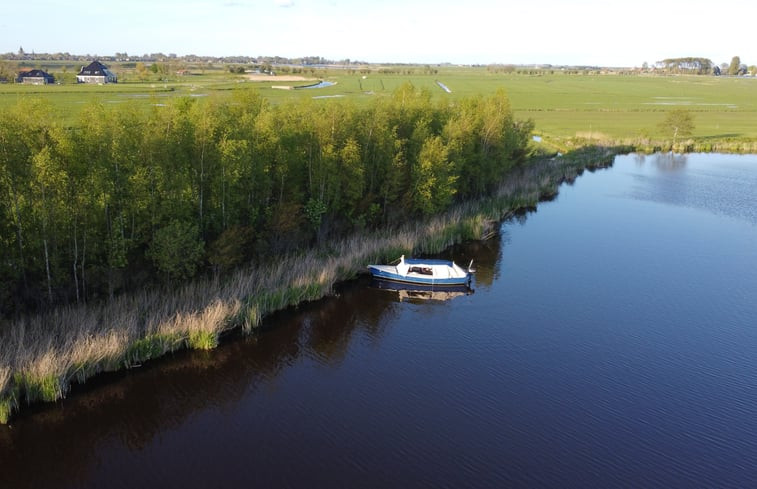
<point x="35" y="77"/>
<point x="96" y="72"/>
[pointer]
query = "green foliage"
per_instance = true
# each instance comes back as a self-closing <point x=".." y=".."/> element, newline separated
<point x="177" y="249"/>
<point x="314" y="211"/>
<point x="352" y="173"/>
<point x="433" y="177"/>
<point x="735" y="66"/>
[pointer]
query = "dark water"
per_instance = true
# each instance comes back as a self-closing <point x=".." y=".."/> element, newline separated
<point x="611" y="342"/>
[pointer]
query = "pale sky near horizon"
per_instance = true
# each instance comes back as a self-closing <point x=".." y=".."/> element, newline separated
<point x="578" y="32"/>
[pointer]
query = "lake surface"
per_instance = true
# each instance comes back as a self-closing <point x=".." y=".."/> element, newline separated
<point x="611" y="342"/>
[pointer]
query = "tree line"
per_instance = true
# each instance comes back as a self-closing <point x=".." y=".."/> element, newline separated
<point x="130" y="197"/>
<point x="690" y="65"/>
<point x="703" y="66"/>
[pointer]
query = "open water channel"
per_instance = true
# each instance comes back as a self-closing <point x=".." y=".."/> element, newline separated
<point x="611" y="342"/>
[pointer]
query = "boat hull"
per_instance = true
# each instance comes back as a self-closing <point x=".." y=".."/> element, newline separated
<point x="384" y="272"/>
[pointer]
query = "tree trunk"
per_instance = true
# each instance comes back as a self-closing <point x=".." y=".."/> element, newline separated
<point x="76" y="259"/>
<point x="202" y="184"/>
<point x="19" y="235"/>
<point x="223" y="197"/>
<point x="83" y="258"/>
<point x="47" y="269"/>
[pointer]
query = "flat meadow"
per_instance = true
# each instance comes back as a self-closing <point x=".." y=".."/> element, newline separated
<point x="588" y="105"/>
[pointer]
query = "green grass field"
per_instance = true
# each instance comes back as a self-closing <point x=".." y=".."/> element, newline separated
<point x="561" y="105"/>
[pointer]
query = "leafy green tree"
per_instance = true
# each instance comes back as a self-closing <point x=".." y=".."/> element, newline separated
<point x="378" y="140"/>
<point x="735" y="66"/>
<point x="233" y="153"/>
<point x="678" y="122"/>
<point x="462" y="135"/>
<point x="177" y="249"/>
<point x="351" y="175"/>
<point x="314" y="210"/>
<point x="48" y="184"/>
<point x="205" y="159"/>
<point x="433" y="178"/>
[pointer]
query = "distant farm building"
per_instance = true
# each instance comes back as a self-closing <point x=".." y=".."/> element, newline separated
<point x="35" y="77"/>
<point x="96" y="72"/>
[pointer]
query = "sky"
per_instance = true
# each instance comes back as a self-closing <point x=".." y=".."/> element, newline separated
<point x="557" y="32"/>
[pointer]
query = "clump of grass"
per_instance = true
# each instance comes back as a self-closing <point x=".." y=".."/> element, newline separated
<point x="46" y="388"/>
<point x="202" y="340"/>
<point x="252" y="318"/>
<point x="8" y="398"/>
<point x="150" y="347"/>
<point x="6" y="408"/>
<point x="42" y="376"/>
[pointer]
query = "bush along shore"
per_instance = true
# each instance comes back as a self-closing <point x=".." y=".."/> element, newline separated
<point x="649" y="146"/>
<point x="41" y="356"/>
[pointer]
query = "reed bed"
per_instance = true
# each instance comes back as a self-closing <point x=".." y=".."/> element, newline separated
<point x="41" y="356"/>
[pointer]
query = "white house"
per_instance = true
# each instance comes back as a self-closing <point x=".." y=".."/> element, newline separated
<point x="96" y="72"/>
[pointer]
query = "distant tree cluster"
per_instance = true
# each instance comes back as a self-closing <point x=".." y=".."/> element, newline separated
<point x="702" y="66"/>
<point x="127" y="198"/>
<point x="694" y="66"/>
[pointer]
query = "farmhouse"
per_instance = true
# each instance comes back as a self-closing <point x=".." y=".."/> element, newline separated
<point x="35" y="77"/>
<point x="96" y="72"/>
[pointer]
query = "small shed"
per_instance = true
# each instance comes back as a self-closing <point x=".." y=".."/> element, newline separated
<point x="35" y="77"/>
<point x="96" y="72"/>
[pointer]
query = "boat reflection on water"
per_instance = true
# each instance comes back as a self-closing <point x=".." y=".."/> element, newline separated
<point x="417" y="293"/>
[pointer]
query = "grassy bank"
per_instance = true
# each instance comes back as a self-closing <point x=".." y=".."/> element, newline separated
<point x="42" y="356"/>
